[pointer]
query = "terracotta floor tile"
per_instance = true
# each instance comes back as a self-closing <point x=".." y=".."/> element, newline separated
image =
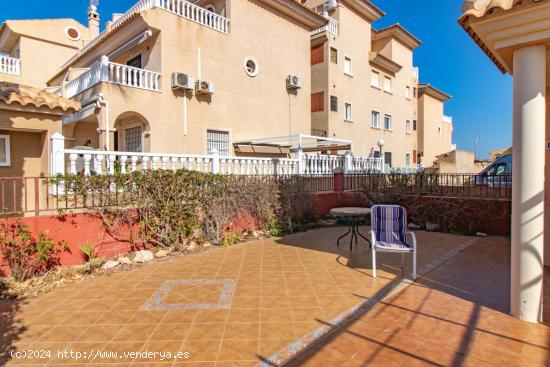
<point x="241" y="330"/>
<point x="244" y="315"/>
<point x="206" y="331"/>
<point x="147" y="317"/>
<point x="99" y="333"/>
<point x="179" y="316"/>
<point x="211" y="316"/>
<point x="171" y="332"/>
<point x="201" y="350"/>
<point x="135" y="332"/>
<point x="61" y="334"/>
<point x="239" y="350"/>
<point x="115" y="317"/>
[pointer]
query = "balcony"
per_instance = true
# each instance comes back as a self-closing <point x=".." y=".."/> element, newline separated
<point x="331" y="27"/>
<point x="416" y="73"/>
<point x="110" y="72"/>
<point x="181" y="8"/>
<point x="10" y="65"/>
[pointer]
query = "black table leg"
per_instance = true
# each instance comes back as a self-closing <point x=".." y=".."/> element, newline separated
<point x="342" y="236"/>
<point x="365" y="238"/>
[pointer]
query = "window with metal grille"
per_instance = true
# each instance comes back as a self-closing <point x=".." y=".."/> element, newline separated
<point x="334" y="103"/>
<point x="408" y="126"/>
<point x="347" y="114"/>
<point x="407" y="160"/>
<point x="408" y="92"/>
<point x="219" y="140"/>
<point x="5" y="159"/>
<point x="318" y="54"/>
<point x="318" y="102"/>
<point x="132" y="139"/>
<point x="333" y="55"/>
<point x="414" y="125"/>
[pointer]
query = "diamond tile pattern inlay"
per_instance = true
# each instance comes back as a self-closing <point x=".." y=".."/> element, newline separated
<point x="192" y="294"/>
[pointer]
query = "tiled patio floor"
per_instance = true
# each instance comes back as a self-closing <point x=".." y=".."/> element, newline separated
<point x="227" y="306"/>
<point x="454" y="316"/>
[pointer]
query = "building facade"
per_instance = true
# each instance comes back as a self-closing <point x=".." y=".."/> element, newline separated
<point x="365" y="88"/>
<point x="234" y="60"/>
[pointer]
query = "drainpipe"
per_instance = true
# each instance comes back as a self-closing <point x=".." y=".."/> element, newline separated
<point x="102" y="102"/>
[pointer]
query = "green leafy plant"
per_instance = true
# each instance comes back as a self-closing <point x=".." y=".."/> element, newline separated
<point x="26" y="255"/>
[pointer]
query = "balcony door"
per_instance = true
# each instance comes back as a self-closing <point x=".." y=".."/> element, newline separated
<point x="133" y="78"/>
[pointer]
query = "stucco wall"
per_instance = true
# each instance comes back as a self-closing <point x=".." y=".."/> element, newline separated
<point x="430" y="142"/>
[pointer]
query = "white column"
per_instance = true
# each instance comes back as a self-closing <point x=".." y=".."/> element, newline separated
<point x="57" y="159"/>
<point x="528" y="182"/>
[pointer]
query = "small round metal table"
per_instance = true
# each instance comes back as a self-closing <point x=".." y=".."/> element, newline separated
<point x="353" y="217"/>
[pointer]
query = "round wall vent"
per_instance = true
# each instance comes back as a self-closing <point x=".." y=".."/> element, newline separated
<point x="251" y="66"/>
<point x="72" y="33"/>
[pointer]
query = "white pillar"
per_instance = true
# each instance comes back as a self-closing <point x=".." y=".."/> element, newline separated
<point x="300" y="158"/>
<point x="215" y="160"/>
<point x="528" y="182"/>
<point x="57" y="159"/>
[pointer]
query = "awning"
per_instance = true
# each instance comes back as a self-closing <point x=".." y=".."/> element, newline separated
<point x="80" y="115"/>
<point x="280" y="144"/>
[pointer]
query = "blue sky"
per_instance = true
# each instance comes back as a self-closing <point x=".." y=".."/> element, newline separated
<point x="448" y="59"/>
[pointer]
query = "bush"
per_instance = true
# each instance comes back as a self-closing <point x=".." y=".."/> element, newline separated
<point x="169" y="208"/>
<point x="25" y="255"/>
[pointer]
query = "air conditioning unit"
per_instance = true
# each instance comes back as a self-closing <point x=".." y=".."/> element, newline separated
<point x="329" y="5"/>
<point x="204" y="87"/>
<point x="182" y="81"/>
<point x="293" y="82"/>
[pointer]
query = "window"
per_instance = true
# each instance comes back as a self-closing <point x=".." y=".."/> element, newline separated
<point x="333" y="55"/>
<point x="407" y="160"/>
<point x="347" y="114"/>
<point x="408" y="92"/>
<point x="387" y="158"/>
<point x="414" y="125"/>
<point x="334" y="104"/>
<point x="318" y="54"/>
<point x="132" y="139"/>
<point x="387" y="122"/>
<point x="408" y="126"/>
<point x="347" y="65"/>
<point x="135" y="62"/>
<point x="251" y="66"/>
<point x="133" y="78"/>
<point x="5" y="156"/>
<point x="414" y="156"/>
<point x="318" y="102"/>
<point x="414" y="92"/>
<point x="218" y="140"/>
<point x="375" y="79"/>
<point x="387" y="84"/>
<point x="375" y="119"/>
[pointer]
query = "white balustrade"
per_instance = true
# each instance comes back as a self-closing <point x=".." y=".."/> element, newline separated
<point x="10" y="65"/>
<point x="331" y="27"/>
<point x="110" y="72"/>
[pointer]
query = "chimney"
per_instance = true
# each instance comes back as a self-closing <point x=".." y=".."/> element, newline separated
<point x="93" y="21"/>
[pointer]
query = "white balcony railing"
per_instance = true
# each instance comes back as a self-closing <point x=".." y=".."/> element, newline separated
<point x="102" y="162"/>
<point x="326" y="164"/>
<point x="10" y="65"/>
<point x="182" y="8"/>
<point x="331" y="27"/>
<point x="448" y="119"/>
<point x="110" y="72"/>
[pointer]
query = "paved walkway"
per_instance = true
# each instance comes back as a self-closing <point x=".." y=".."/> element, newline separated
<point x="454" y="316"/>
<point x="228" y="306"/>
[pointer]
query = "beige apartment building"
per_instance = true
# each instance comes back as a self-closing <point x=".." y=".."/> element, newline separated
<point x="24" y="44"/>
<point x="365" y="88"/>
<point x="176" y="77"/>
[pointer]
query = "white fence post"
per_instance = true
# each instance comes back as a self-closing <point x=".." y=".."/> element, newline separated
<point x="347" y="162"/>
<point x="57" y="159"/>
<point x="300" y="158"/>
<point x="215" y="160"/>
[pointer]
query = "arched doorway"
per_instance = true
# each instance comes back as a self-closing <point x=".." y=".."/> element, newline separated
<point x="132" y="133"/>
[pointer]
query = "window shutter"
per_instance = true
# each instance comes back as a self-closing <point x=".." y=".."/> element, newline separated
<point x="333" y="55"/>
<point x="318" y="54"/>
<point x="317" y="102"/>
<point x="334" y="103"/>
<point x="414" y="156"/>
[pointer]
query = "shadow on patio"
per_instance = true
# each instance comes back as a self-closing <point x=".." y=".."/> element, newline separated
<point x="453" y="316"/>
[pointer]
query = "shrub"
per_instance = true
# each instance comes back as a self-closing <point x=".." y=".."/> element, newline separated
<point x="25" y="255"/>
